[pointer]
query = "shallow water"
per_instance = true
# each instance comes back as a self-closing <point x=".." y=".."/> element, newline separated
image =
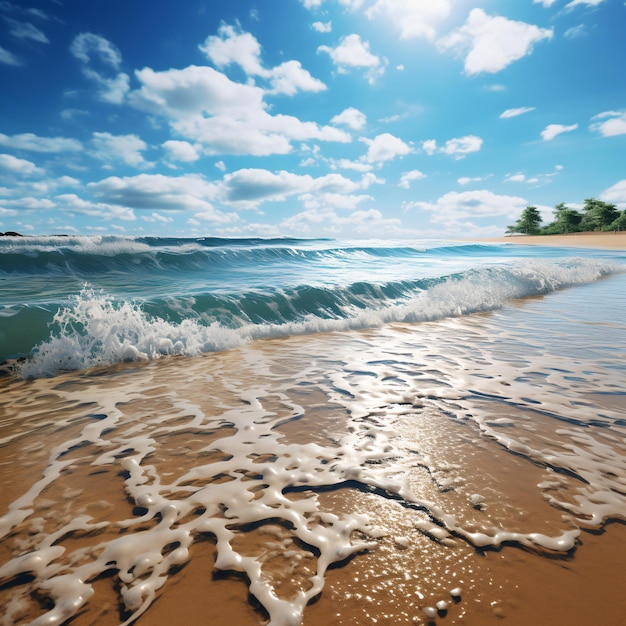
<point x="361" y="476"/>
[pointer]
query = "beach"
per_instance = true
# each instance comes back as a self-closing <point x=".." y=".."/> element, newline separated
<point x="461" y="461"/>
<point x="576" y="240"/>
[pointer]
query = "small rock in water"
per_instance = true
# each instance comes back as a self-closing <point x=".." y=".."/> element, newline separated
<point x="442" y="605"/>
<point x="429" y="612"/>
<point x="456" y="593"/>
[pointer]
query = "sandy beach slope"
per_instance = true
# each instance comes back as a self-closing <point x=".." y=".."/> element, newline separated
<point x="576" y="240"/>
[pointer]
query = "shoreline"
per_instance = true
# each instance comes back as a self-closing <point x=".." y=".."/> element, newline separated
<point x="614" y="241"/>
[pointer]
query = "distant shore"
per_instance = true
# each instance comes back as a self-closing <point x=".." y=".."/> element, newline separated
<point x="576" y="240"/>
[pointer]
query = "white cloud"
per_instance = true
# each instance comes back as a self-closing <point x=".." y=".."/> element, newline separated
<point x="230" y="46"/>
<point x="576" y="31"/>
<point x="369" y="223"/>
<point x="457" y="147"/>
<point x="454" y="207"/>
<point x="553" y="130"/>
<point x="384" y="147"/>
<point x="521" y="178"/>
<point x="319" y="201"/>
<point x="182" y="151"/>
<point x="466" y="180"/>
<point x="351" y="117"/>
<point x="30" y="141"/>
<point x="247" y="188"/>
<point x="429" y="146"/>
<point x="18" y="166"/>
<point x="89" y="49"/>
<point x="30" y="203"/>
<point x="8" y="58"/>
<point x="226" y="117"/>
<point x="352" y="52"/>
<point x="546" y="3"/>
<point x="290" y="77"/>
<point x="589" y="3"/>
<point x="25" y="30"/>
<point x="125" y="148"/>
<point x="74" y="204"/>
<point x="87" y="45"/>
<point x="614" y="123"/>
<point x="411" y="18"/>
<point x="615" y="194"/>
<point x="157" y="217"/>
<point x="346" y="164"/>
<point x="323" y="27"/>
<point x="515" y="112"/>
<point x="492" y="43"/>
<point x="156" y="192"/>
<point x="407" y="177"/>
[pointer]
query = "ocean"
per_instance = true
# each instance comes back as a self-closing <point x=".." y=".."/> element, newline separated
<point x="292" y="432"/>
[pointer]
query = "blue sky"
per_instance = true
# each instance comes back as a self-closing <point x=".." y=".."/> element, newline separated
<point x="332" y="118"/>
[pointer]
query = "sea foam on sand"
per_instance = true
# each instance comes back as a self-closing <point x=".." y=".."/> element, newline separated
<point x="390" y="474"/>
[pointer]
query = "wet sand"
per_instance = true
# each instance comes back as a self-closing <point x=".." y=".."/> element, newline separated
<point x="459" y="408"/>
<point x="578" y="240"/>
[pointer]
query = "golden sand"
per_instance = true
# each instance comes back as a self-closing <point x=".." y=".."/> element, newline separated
<point x="576" y="240"/>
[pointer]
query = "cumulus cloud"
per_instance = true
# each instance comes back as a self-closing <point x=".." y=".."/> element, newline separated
<point x="323" y="27"/>
<point x="491" y="43"/>
<point x="182" y="151"/>
<point x="225" y="117"/>
<point x="553" y="130"/>
<point x="247" y="188"/>
<point x="30" y="203"/>
<point x="156" y="192"/>
<point x="384" y="147"/>
<point x="14" y="165"/>
<point x="412" y="19"/>
<point x="92" y="50"/>
<point x="515" y="112"/>
<point x="350" y="117"/>
<point x="614" y="123"/>
<point x="408" y="177"/>
<point x="352" y="53"/>
<point x="230" y="46"/>
<point x="455" y="207"/>
<point x="347" y="164"/>
<point x="30" y="141"/>
<point x="72" y="203"/>
<point x="125" y="148"/>
<point x="458" y="148"/>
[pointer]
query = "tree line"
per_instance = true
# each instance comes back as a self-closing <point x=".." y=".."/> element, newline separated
<point x="595" y="216"/>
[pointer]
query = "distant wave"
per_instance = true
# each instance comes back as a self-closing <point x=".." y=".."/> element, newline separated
<point x="86" y="256"/>
<point x="94" y="328"/>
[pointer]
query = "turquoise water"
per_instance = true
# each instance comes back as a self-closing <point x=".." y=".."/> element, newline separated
<point x="74" y="302"/>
